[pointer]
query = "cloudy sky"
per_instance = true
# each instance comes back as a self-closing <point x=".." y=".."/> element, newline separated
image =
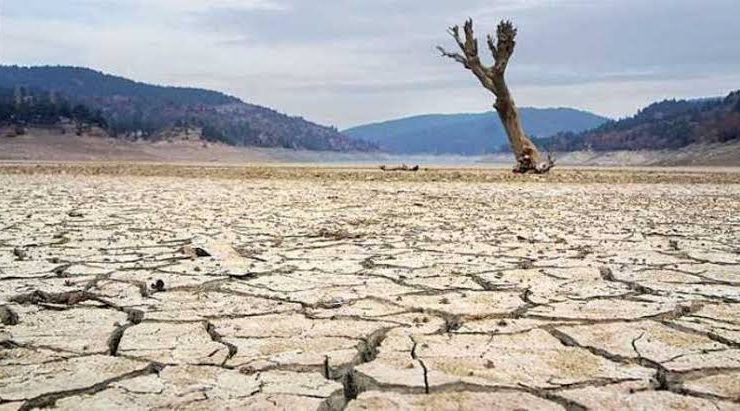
<point x="346" y="62"/>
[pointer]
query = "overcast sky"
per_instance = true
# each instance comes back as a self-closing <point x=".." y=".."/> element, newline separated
<point x="346" y="62"/>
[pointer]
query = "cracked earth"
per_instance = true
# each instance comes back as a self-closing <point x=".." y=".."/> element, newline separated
<point x="126" y="292"/>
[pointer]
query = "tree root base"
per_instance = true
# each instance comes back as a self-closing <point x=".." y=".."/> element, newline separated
<point x="527" y="166"/>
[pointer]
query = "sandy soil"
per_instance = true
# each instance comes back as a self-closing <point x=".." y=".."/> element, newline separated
<point x="160" y="286"/>
<point x="48" y="145"/>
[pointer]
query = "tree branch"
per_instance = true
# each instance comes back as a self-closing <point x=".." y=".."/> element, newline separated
<point x="492" y="47"/>
<point x="506" y="40"/>
<point x="455" y="33"/>
<point x="471" y="43"/>
<point x="469" y="57"/>
<point x="455" y="56"/>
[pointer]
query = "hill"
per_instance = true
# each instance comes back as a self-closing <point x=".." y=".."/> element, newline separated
<point x="42" y="108"/>
<point x="132" y="110"/>
<point x="669" y="124"/>
<point x="469" y="134"/>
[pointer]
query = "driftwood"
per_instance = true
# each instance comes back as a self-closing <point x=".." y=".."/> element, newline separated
<point x="492" y="78"/>
<point x="402" y="167"/>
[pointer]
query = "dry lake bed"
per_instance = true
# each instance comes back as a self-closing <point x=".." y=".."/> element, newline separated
<point x="181" y="287"/>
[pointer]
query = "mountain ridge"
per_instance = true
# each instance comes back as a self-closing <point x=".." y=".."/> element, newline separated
<point x="467" y="133"/>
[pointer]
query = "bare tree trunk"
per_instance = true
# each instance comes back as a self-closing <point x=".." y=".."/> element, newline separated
<point x="492" y="78"/>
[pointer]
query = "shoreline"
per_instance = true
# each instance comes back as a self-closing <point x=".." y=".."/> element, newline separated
<point x="358" y="173"/>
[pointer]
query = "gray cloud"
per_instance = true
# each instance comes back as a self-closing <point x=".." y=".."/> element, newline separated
<point x="349" y="61"/>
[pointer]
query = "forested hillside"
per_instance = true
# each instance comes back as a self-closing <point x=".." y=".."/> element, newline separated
<point x="21" y="106"/>
<point x="664" y="125"/>
<point x="130" y="108"/>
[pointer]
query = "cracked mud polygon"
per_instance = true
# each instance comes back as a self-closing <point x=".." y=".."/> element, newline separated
<point x="354" y="289"/>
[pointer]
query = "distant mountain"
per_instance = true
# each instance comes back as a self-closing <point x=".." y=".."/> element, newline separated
<point x="468" y="134"/>
<point x="668" y="124"/>
<point x="132" y="109"/>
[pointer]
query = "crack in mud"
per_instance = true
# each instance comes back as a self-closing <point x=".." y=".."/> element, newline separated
<point x="454" y="289"/>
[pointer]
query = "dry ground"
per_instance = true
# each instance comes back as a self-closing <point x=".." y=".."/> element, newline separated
<point x="48" y="145"/>
<point x="157" y="286"/>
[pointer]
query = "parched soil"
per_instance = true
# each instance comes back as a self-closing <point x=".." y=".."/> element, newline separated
<point x="181" y="287"/>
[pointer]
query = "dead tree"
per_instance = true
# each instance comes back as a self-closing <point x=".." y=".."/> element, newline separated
<point x="492" y="78"/>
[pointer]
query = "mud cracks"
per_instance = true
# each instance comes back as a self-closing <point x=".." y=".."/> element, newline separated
<point x="140" y="293"/>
